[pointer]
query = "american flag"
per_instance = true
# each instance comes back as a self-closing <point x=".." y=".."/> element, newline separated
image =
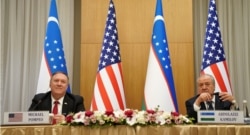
<point x="159" y="86"/>
<point x="214" y="59"/>
<point x="15" y="117"/>
<point x="108" y="89"/>
<point x="53" y="59"/>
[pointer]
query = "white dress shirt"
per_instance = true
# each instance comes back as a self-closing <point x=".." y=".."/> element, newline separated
<point x="197" y="108"/>
<point x="59" y="105"/>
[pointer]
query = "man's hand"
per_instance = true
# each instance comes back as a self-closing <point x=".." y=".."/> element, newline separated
<point x="224" y="96"/>
<point x="202" y="98"/>
<point x="58" y="117"/>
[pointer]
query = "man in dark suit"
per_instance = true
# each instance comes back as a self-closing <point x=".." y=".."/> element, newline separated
<point x="207" y="99"/>
<point x="66" y="102"/>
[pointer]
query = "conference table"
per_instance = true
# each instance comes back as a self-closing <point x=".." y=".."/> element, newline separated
<point x="127" y="130"/>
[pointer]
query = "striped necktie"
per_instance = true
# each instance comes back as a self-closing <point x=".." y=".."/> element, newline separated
<point x="210" y="105"/>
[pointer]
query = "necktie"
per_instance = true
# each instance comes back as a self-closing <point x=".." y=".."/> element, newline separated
<point x="55" y="110"/>
<point x="210" y="105"/>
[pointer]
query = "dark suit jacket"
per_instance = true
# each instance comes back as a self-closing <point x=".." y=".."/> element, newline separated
<point x="219" y="105"/>
<point x="71" y="103"/>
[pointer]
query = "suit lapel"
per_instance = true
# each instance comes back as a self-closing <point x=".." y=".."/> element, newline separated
<point x="67" y="105"/>
<point x="46" y="103"/>
<point x="218" y="105"/>
<point x="203" y="106"/>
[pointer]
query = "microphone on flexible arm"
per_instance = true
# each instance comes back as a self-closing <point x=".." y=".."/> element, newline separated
<point x="36" y="105"/>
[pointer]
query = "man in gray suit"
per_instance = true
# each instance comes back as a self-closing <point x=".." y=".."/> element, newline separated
<point x="206" y="99"/>
<point x="66" y="102"/>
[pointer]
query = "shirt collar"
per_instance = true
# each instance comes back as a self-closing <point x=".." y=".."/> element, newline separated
<point x="213" y="99"/>
<point x="60" y="100"/>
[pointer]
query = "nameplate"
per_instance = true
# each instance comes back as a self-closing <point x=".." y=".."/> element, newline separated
<point x="26" y="118"/>
<point x="220" y="117"/>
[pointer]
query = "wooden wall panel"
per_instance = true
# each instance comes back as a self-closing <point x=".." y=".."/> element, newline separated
<point x="183" y="71"/>
<point x="135" y="24"/>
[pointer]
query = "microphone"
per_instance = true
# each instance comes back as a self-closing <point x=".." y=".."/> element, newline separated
<point x="36" y="105"/>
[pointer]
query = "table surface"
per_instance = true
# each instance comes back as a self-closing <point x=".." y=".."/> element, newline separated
<point x="127" y="130"/>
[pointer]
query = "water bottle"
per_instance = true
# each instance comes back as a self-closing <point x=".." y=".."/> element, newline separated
<point x="245" y="109"/>
<point x="246" y="114"/>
